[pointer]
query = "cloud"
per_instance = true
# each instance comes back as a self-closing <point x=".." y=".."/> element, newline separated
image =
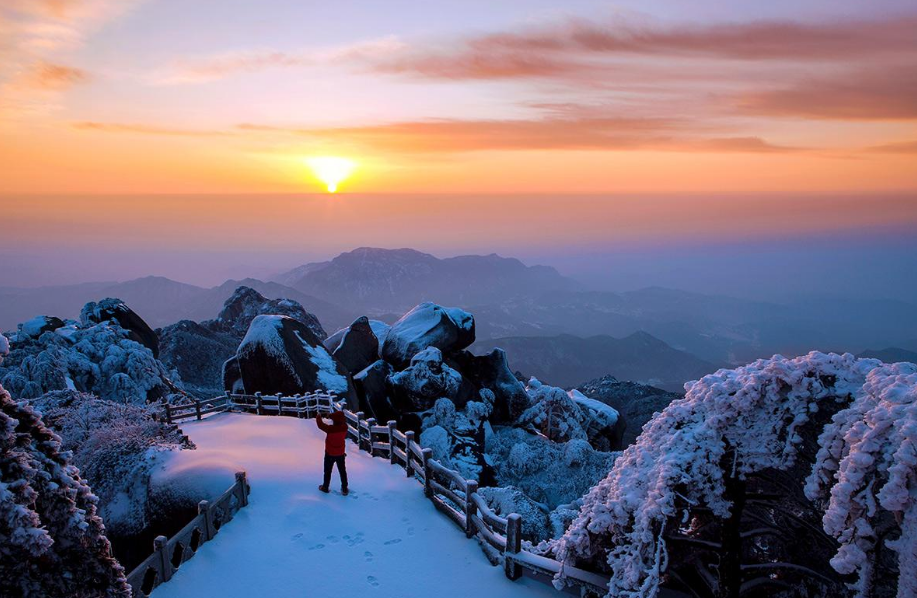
<point x="901" y="147"/>
<point x="140" y="129"/>
<point x="574" y="45"/>
<point x="886" y="94"/>
<point x="220" y="66"/>
<point x="48" y="76"/>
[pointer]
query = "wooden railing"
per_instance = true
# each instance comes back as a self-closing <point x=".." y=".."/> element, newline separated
<point x="500" y="537"/>
<point x="169" y="553"/>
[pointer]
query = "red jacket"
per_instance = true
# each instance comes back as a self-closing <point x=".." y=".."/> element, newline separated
<point x="336" y="438"/>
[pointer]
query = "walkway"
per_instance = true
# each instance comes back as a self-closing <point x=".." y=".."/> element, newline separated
<point x="385" y="539"/>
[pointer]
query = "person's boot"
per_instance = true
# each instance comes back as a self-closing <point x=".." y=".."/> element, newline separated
<point x="345" y="491"/>
<point x="323" y="489"/>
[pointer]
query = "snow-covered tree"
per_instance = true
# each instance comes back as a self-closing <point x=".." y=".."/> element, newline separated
<point x="52" y="541"/>
<point x="867" y="467"/>
<point x="710" y="497"/>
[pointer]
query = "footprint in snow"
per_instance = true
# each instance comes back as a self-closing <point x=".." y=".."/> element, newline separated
<point x="296" y="536"/>
<point x="368" y="556"/>
<point x="371" y="580"/>
<point x="317" y="547"/>
<point x="395" y="541"/>
<point x="410" y="531"/>
<point x="358" y="539"/>
<point x="332" y="539"/>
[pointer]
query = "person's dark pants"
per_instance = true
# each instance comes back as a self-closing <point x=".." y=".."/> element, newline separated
<point x="342" y="469"/>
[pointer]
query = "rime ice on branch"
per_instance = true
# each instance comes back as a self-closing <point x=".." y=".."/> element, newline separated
<point x="735" y="424"/>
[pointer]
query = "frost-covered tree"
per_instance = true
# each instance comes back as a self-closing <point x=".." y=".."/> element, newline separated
<point x="710" y="498"/>
<point x="867" y="469"/>
<point x="52" y="541"/>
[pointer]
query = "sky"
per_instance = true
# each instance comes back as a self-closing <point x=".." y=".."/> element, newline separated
<point x="174" y="136"/>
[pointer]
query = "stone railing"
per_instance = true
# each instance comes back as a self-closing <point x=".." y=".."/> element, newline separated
<point x="169" y="553"/>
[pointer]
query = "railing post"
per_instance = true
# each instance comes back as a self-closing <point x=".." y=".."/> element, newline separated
<point x="259" y="407"/>
<point x="279" y="403"/>
<point x="168" y="414"/>
<point x="228" y="400"/>
<point x="197" y="409"/>
<point x="242" y="483"/>
<point x="369" y="435"/>
<point x="471" y="509"/>
<point x="165" y="566"/>
<point x="359" y="415"/>
<point x="408" y="439"/>
<point x="203" y="509"/>
<point x="427" y="472"/>
<point x="392" y="458"/>
<point x="513" y="545"/>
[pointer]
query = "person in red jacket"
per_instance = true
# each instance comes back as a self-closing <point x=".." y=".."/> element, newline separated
<point x="335" y="452"/>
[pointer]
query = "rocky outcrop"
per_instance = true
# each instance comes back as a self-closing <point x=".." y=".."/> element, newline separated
<point x="115" y="310"/>
<point x="635" y="402"/>
<point x="428" y="325"/>
<point x="379" y="328"/>
<point x="492" y="372"/>
<point x="359" y="346"/>
<point x="197" y="353"/>
<point x="38" y="325"/>
<point x="372" y="388"/>
<point x="246" y="304"/>
<point x="282" y="355"/>
<point x="419" y="386"/>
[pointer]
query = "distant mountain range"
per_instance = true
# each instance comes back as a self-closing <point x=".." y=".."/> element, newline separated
<point x="568" y="360"/>
<point x="511" y="300"/>
<point x="395" y="280"/>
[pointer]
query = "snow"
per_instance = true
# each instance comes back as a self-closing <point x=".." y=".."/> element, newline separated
<point x="32" y="328"/>
<point x="328" y="376"/>
<point x="385" y="539"/>
<point x="606" y="414"/>
<point x="4" y="346"/>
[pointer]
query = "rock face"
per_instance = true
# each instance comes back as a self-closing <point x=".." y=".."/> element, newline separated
<point x="198" y="351"/>
<point x="635" y="402"/>
<point x="418" y="387"/>
<point x="379" y="328"/>
<point x="492" y="372"/>
<point x="358" y="348"/>
<point x="38" y="325"/>
<point x="246" y="304"/>
<point x="428" y="325"/>
<point x="283" y="355"/>
<point x="372" y="388"/>
<point x="116" y="310"/>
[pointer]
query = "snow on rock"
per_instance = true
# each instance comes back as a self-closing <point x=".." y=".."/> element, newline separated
<point x="868" y="459"/>
<point x="457" y="438"/>
<point x="427" y="325"/>
<point x="38" y="325"/>
<point x="426" y="380"/>
<point x="102" y="359"/>
<point x="115" y="310"/>
<point x="280" y="354"/>
<point x="245" y="304"/>
<point x="510" y="499"/>
<point x="755" y="409"/>
<point x="491" y="372"/>
<point x="553" y="413"/>
<point x="379" y="328"/>
<point x="4" y="347"/>
<point x="604" y="426"/>
<point x="384" y="539"/>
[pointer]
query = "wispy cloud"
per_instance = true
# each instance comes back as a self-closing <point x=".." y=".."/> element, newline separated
<point x="900" y="147"/>
<point x="141" y="129"/>
<point x="220" y="66"/>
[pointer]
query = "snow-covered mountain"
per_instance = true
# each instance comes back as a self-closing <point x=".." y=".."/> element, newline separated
<point x="380" y="280"/>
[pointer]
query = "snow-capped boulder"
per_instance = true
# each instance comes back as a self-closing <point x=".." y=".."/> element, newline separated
<point x="379" y="328"/>
<point x="492" y="372"/>
<point x="246" y="304"/>
<point x="38" y="325"/>
<point x="604" y="426"/>
<point x="457" y="441"/>
<point x="359" y="346"/>
<point x="426" y="380"/>
<point x="280" y="354"/>
<point x="372" y="390"/>
<point x="636" y="403"/>
<point x="427" y="325"/>
<point x="232" y="376"/>
<point x="116" y="310"/>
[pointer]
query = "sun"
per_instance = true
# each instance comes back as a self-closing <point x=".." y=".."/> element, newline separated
<point x="331" y="170"/>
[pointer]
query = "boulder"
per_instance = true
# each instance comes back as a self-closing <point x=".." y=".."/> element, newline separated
<point x="246" y="304"/>
<point x="380" y="329"/>
<point x="282" y="355"/>
<point x="637" y="403"/>
<point x="359" y="346"/>
<point x="372" y="388"/>
<point x="197" y="354"/>
<point x="604" y="426"/>
<point x="492" y="372"/>
<point x="38" y="325"/>
<point x="427" y="325"/>
<point x="116" y="310"/>
<point x="426" y="380"/>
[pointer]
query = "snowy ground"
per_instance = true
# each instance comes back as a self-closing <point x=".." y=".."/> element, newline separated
<point x="384" y="539"/>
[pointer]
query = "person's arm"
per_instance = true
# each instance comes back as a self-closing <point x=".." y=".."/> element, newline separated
<point x="321" y="423"/>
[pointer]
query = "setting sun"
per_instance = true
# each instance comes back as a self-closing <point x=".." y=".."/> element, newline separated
<point x="331" y="170"/>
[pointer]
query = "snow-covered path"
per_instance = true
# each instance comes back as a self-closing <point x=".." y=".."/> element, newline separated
<point x="385" y="539"/>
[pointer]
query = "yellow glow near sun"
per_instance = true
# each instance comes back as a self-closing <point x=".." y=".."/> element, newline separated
<point x="331" y="170"/>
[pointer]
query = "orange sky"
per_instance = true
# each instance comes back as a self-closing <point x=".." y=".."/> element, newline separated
<point x="102" y="97"/>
